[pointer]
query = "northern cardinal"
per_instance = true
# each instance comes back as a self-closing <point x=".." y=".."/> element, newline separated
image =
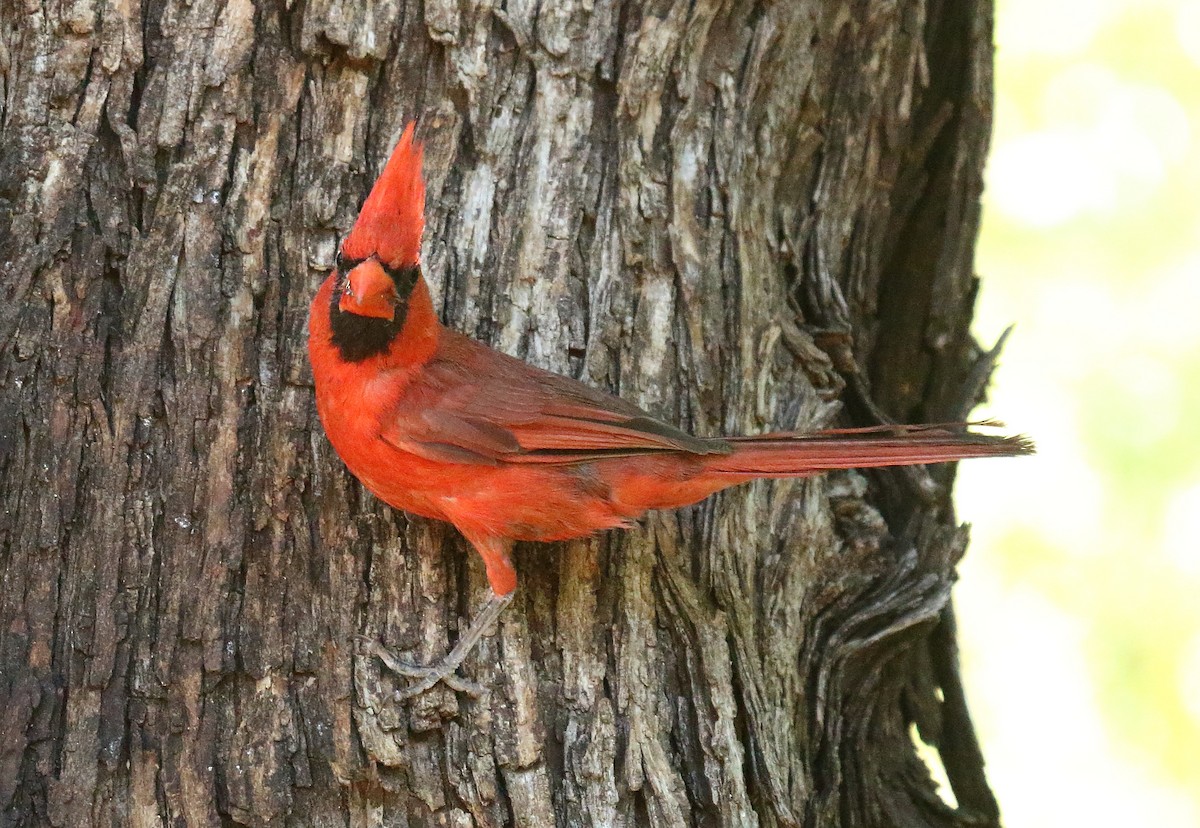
<point x="440" y="425"/>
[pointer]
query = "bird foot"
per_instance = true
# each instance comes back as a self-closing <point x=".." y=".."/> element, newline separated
<point x="446" y="670"/>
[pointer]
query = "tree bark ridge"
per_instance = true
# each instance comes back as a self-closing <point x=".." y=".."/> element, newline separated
<point x="733" y="213"/>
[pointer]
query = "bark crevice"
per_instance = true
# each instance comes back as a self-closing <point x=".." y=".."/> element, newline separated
<point x="740" y="216"/>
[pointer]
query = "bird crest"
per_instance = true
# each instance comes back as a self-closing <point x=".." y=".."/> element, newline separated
<point x="392" y="218"/>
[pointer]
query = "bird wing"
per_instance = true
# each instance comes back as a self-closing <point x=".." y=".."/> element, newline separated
<point x="471" y="404"/>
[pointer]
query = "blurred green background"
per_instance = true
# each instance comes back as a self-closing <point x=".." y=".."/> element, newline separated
<point x="1079" y="602"/>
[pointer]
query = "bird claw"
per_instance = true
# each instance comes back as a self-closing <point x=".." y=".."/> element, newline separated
<point x="446" y="670"/>
<point x="451" y="679"/>
<point x="427" y="676"/>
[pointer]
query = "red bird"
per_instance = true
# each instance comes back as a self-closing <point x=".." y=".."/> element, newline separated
<point x="442" y="426"/>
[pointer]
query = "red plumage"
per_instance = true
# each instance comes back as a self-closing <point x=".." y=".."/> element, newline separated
<point x="442" y="426"/>
<point x="393" y="216"/>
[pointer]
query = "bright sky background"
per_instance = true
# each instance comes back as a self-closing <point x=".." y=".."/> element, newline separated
<point x="1079" y="600"/>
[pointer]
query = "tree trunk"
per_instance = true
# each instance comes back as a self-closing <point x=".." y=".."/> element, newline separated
<point x="736" y="214"/>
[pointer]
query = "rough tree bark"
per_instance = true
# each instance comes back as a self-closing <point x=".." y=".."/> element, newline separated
<point x="738" y="214"/>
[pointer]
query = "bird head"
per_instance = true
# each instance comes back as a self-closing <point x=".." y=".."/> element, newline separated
<point x="379" y="261"/>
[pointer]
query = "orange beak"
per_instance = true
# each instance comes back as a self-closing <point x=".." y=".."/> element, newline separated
<point x="369" y="291"/>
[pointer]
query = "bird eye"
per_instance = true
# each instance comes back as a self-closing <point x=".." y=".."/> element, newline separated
<point x="344" y="264"/>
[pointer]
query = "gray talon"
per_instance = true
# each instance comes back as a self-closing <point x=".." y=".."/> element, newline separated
<point x="446" y="670"/>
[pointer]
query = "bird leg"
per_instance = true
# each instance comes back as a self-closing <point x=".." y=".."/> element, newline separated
<point x="502" y="581"/>
<point x="446" y="669"/>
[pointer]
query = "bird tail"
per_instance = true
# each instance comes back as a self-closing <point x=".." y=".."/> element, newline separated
<point x="787" y="454"/>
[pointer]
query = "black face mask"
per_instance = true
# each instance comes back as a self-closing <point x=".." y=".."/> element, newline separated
<point x="361" y="337"/>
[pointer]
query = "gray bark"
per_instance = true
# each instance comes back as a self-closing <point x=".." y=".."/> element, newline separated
<point x="736" y="214"/>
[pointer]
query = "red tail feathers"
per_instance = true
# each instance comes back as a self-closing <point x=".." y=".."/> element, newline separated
<point x="797" y="455"/>
<point x="393" y="216"/>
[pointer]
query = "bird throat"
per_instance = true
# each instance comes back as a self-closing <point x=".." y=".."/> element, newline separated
<point x="359" y="338"/>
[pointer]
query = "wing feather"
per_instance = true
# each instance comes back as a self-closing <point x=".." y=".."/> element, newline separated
<point x="473" y="405"/>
